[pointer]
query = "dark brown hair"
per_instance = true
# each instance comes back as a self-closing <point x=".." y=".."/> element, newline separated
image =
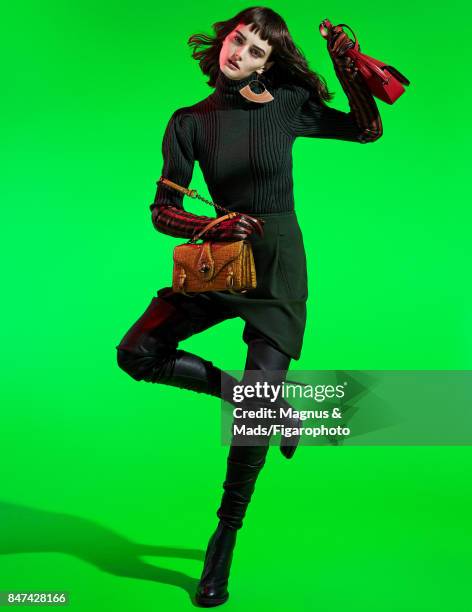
<point x="290" y="65"/>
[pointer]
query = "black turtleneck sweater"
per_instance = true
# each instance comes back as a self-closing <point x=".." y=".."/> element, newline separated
<point x="244" y="148"/>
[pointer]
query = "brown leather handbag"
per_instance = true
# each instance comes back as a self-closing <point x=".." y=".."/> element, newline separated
<point x="211" y="266"/>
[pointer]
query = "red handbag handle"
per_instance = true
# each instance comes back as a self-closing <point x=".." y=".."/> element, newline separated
<point x="354" y="52"/>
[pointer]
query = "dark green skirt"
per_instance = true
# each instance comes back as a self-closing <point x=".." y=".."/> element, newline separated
<point x="276" y="308"/>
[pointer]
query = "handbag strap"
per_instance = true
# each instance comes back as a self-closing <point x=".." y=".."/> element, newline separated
<point x="194" y="194"/>
<point x="212" y="224"/>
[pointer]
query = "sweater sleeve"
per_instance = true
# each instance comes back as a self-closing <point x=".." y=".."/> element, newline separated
<point x="168" y="214"/>
<point x="363" y="124"/>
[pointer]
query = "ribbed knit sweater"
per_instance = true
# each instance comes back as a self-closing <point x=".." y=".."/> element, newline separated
<point x="244" y="148"/>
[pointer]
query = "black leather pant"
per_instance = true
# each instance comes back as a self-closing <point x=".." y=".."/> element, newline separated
<point x="149" y="351"/>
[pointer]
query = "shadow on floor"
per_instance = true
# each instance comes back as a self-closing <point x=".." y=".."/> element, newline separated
<point x="28" y="530"/>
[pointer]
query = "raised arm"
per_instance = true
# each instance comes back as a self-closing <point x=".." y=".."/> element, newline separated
<point x="361" y="101"/>
<point x="313" y="119"/>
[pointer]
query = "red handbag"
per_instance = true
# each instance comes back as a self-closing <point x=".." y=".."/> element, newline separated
<point x="384" y="81"/>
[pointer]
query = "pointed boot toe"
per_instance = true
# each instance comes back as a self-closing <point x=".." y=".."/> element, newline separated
<point x="288" y="445"/>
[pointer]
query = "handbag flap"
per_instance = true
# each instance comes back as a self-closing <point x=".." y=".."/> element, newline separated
<point x="222" y="253"/>
<point x="397" y="74"/>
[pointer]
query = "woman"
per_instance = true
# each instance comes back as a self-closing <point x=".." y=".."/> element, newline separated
<point x="243" y="144"/>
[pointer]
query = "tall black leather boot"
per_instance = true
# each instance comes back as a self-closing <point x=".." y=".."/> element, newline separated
<point x="148" y="351"/>
<point x="213" y="586"/>
<point x="152" y="356"/>
<point x="243" y="466"/>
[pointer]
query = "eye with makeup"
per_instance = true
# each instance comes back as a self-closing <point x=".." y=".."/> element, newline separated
<point x="240" y="41"/>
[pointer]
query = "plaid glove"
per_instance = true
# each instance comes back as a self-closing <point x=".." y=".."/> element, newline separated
<point x="237" y="228"/>
<point x="338" y="43"/>
<point x="361" y="102"/>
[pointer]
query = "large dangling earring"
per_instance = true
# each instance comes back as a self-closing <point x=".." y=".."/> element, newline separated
<point x="252" y="96"/>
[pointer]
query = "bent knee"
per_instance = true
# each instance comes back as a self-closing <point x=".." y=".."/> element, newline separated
<point x="143" y="365"/>
<point x="139" y="366"/>
<point x="131" y="363"/>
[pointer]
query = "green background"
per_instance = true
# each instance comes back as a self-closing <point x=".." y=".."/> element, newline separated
<point x="99" y="497"/>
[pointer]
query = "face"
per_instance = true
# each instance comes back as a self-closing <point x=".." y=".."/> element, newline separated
<point x="247" y="51"/>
